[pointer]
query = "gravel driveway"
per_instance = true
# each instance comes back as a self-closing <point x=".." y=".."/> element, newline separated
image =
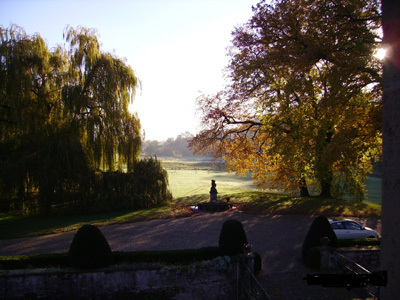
<point x="278" y="239"/>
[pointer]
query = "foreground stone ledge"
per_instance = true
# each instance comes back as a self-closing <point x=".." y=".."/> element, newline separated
<point x="118" y="281"/>
<point x="368" y="257"/>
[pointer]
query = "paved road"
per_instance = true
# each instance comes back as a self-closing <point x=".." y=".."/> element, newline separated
<point x="278" y="239"/>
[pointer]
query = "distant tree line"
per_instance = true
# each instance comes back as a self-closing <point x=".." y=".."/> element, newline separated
<point x="172" y="147"/>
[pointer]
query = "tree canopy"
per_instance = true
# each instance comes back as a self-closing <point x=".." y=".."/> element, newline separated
<point x="63" y="112"/>
<point x="303" y="105"/>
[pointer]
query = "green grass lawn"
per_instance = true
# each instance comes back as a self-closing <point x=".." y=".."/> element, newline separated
<point x="190" y="183"/>
<point x="186" y="183"/>
<point x="278" y="204"/>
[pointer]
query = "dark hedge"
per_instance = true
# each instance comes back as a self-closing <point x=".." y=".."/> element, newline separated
<point x="319" y="228"/>
<point x="174" y="257"/>
<point x="232" y="238"/>
<point x="89" y="249"/>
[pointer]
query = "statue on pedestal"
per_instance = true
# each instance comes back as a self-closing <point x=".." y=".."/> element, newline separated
<point x="213" y="192"/>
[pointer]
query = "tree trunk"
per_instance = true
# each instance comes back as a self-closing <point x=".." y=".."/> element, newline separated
<point x="325" y="190"/>
<point x="390" y="249"/>
<point x="303" y="188"/>
<point x="325" y="177"/>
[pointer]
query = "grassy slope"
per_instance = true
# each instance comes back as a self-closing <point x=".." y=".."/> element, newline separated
<point x="12" y="226"/>
<point x="264" y="203"/>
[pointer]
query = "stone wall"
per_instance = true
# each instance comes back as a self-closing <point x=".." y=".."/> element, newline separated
<point x="368" y="258"/>
<point x="117" y="282"/>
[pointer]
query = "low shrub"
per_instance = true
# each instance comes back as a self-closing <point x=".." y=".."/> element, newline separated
<point x="89" y="249"/>
<point x="232" y="238"/>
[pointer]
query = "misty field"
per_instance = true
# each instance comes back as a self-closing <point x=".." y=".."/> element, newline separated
<point x="186" y="183"/>
<point x="192" y="177"/>
<point x="374" y="189"/>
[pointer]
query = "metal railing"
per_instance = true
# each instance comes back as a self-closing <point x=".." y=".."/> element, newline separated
<point x="350" y="266"/>
<point x="247" y="285"/>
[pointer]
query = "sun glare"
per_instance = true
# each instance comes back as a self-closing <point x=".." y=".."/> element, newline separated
<point x="131" y="108"/>
<point x="380" y="53"/>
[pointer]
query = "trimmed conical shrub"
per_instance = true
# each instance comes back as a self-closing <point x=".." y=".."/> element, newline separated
<point x="232" y="238"/>
<point x="319" y="228"/>
<point x="89" y="249"/>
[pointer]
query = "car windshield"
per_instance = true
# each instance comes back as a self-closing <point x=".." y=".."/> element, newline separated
<point x="338" y="225"/>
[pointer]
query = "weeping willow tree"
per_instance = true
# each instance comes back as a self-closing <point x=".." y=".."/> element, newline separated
<point x="96" y="97"/>
<point x="63" y="114"/>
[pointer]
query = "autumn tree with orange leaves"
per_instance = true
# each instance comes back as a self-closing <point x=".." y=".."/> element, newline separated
<point x="303" y="108"/>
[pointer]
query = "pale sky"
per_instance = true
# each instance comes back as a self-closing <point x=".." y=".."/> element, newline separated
<point x="177" y="48"/>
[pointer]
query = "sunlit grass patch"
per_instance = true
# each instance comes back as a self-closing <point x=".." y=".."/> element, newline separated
<point x="267" y="203"/>
<point x="6" y="217"/>
<point x="187" y="182"/>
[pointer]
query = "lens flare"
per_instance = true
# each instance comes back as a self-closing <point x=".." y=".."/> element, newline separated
<point x="380" y="53"/>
